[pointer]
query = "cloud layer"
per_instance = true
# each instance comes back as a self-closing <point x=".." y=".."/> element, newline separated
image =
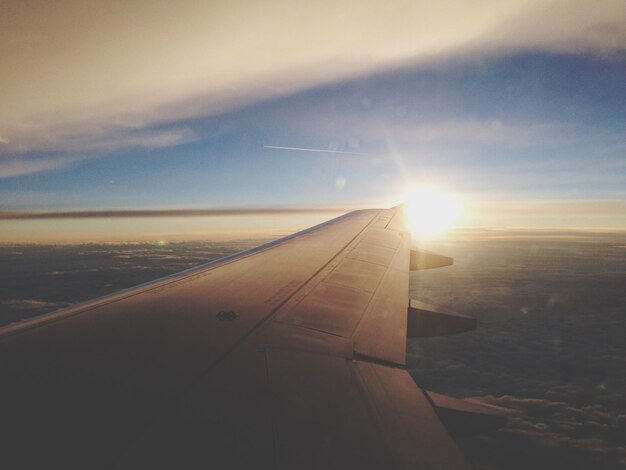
<point x="549" y="346"/>
<point x="546" y="348"/>
<point x="88" y="76"/>
<point x="138" y="213"/>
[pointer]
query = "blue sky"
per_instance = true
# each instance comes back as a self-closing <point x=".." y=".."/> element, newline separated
<point x="493" y="122"/>
<point x="528" y="126"/>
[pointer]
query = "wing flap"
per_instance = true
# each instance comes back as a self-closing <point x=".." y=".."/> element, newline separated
<point x="414" y="435"/>
<point x="382" y="333"/>
<point x="362" y="294"/>
<point x="466" y="418"/>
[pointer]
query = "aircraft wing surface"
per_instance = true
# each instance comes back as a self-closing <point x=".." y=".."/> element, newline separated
<point x="286" y="356"/>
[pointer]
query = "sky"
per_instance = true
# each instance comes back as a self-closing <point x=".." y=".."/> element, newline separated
<point x="284" y="114"/>
<point x="518" y="108"/>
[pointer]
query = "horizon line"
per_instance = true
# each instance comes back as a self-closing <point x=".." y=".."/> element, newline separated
<point x="129" y="213"/>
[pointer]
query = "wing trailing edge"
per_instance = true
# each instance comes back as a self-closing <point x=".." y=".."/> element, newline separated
<point x="464" y="418"/>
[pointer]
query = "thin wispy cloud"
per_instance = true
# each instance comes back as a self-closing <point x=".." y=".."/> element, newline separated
<point x="80" y="145"/>
<point x="97" y="137"/>
<point x="26" y="165"/>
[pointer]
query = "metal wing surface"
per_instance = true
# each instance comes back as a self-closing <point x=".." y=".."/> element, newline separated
<point x="286" y="356"/>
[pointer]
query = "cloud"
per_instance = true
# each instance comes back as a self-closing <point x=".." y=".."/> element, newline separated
<point x="539" y="349"/>
<point x="95" y="138"/>
<point x="25" y="165"/>
<point x="31" y="304"/>
<point x="565" y="26"/>
<point x="80" y="143"/>
<point x="590" y="430"/>
<point x="76" y="72"/>
<point x="103" y="138"/>
<point x="134" y="213"/>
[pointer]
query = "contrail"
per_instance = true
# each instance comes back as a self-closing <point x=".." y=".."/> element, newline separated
<point x="301" y="149"/>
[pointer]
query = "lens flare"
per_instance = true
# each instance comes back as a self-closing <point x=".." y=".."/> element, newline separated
<point x="430" y="211"/>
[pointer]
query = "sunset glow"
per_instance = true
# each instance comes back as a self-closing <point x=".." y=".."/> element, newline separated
<point x="430" y="211"/>
<point x="208" y="208"/>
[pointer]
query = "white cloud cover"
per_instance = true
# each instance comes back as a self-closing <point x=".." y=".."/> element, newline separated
<point x="76" y="73"/>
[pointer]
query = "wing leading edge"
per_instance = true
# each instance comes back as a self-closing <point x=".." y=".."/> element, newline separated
<point x="287" y="356"/>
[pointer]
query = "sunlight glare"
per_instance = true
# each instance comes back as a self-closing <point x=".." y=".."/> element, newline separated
<point x="430" y="211"/>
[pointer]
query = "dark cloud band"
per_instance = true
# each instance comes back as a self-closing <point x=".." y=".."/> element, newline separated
<point x="130" y="213"/>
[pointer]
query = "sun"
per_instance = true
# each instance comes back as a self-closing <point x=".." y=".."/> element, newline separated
<point x="430" y="211"/>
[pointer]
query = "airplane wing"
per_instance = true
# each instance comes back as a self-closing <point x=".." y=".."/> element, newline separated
<point x="288" y="356"/>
